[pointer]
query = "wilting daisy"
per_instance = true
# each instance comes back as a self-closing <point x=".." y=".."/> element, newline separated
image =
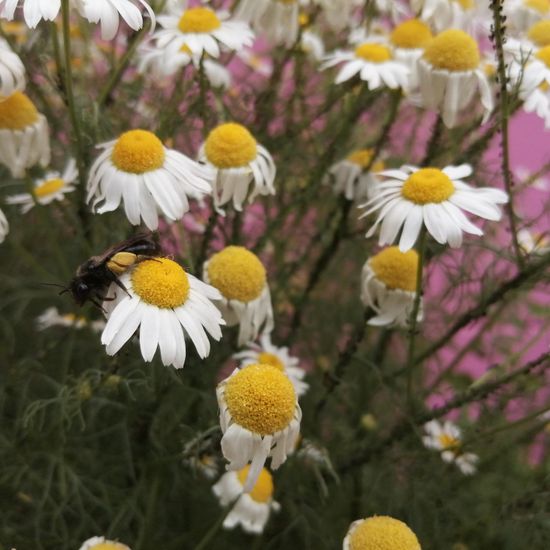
<point x="147" y="177"/>
<point x="108" y="12"/>
<point x="450" y="74"/>
<point x="53" y="318"/>
<point x="53" y="187"/>
<point x="380" y="533"/>
<point x="241" y="278"/>
<point x="101" y="543"/>
<point x="167" y="303"/>
<point x="446" y="438"/>
<point x="201" y="30"/>
<point x="373" y="62"/>
<point x="356" y="176"/>
<point x="250" y="510"/>
<point x="259" y="417"/>
<point x="523" y="13"/>
<point x="12" y="71"/>
<point x="33" y="10"/>
<point x="388" y="286"/>
<point x="533" y="243"/>
<point x="238" y="160"/>
<point x="267" y="353"/>
<point x="436" y="198"/>
<point x="4" y="226"/>
<point x="23" y="134"/>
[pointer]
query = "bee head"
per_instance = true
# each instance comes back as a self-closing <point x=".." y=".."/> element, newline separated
<point x="79" y="290"/>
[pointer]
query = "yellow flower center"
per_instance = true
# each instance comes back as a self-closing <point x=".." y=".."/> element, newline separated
<point x="138" y="151"/>
<point x="542" y="6"/>
<point x="263" y="490"/>
<point x="199" y="20"/>
<point x="230" y="146"/>
<point x="17" y="112"/>
<point x="161" y="282"/>
<point x="375" y="53"/>
<point x="237" y="273"/>
<point x="261" y="399"/>
<point x="448" y="442"/>
<point x="428" y="185"/>
<point x="465" y="4"/>
<point x="266" y="358"/>
<point x="48" y="188"/>
<point x="539" y="33"/>
<point x="383" y="533"/>
<point x="453" y="50"/>
<point x="303" y="19"/>
<point x="108" y="545"/>
<point x="363" y="158"/>
<point x="544" y="55"/>
<point x="411" y="34"/>
<point x="396" y="269"/>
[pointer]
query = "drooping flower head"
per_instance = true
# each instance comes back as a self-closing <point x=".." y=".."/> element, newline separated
<point x="380" y="533"/>
<point x="12" y="71"/>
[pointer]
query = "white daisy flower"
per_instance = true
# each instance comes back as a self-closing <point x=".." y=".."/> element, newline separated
<point x="436" y="198"/>
<point x="12" y="71"/>
<point x="4" y="226"/>
<point x="250" y="510"/>
<point x="241" y="278"/>
<point x="23" y="134"/>
<point x="33" y="10"/>
<point x="267" y="353"/>
<point x="53" y="187"/>
<point x="446" y="438"/>
<point x="260" y="64"/>
<point x="167" y="303"/>
<point x="238" y="160"/>
<point x="536" y="74"/>
<point x="450" y="73"/>
<point x="101" y="543"/>
<point x="259" y="417"/>
<point x="206" y="464"/>
<point x="312" y="45"/>
<point x="201" y="30"/>
<point x="388" y="287"/>
<point x="523" y="13"/>
<point x="380" y="532"/>
<point x="53" y="318"/>
<point x="108" y="12"/>
<point x="350" y="178"/>
<point x="147" y="177"/>
<point x="532" y="242"/>
<point x="373" y="62"/>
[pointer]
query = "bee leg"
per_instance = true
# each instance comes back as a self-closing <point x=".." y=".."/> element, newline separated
<point x="120" y="284"/>
<point x="98" y="305"/>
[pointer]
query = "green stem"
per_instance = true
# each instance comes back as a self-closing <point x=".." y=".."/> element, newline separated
<point x="211" y="533"/>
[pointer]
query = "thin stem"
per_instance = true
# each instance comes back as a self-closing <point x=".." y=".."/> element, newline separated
<point x="211" y="533"/>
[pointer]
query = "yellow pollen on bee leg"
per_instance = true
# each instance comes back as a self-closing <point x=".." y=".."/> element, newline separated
<point x="411" y="34"/>
<point x="263" y="490"/>
<point x="383" y="533"/>
<point x="121" y="261"/>
<point x="230" y="145"/>
<point x="199" y="20"/>
<point x="453" y="50"/>
<point x="161" y="282"/>
<point x="17" y="112"/>
<point x="428" y="185"/>
<point x="48" y="188"/>
<point x="396" y="269"/>
<point x="375" y="53"/>
<point x="137" y="152"/>
<point x="261" y="399"/>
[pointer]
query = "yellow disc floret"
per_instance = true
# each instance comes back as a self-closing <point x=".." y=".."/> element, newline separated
<point x="108" y="545"/>
<point x="375" y="53"/>
<point x="261" y="399"/>
<point x="263" y="490"/>
<point x="237" y="273"/>
<point x="448" y="442"/>
<point x="539" y="33"/>
<point x="230" y="146"/>
<point x="428" y="185"/>
<point x="411" y="34"/>
<point x="542" y="6"/>
<point x="17" y="112"/>
<point x="363" y="158"/>
<point x="383" y="533"/>
<point x="544" y="55"/>
<point x="465" y="4"/>
<point x="453" y="50"/>
<point x="161" y="282"/>
<point x="396" y="269"/>
<point x="266" y="358"/>
<point x="48" y="188"/>
<point x="199" y="20"/>
<point x="138" y="151"/>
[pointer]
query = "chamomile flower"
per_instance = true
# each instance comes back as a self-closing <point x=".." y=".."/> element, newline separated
<point x="312" y="45"/>
<point x="201" y="30"/>
<point x="23" y="134"/>
<point x="450" y="73"/>
<point x="373" y="62"/>
<point x="53" y="187"/>
<point x="108" y="12"/>
<point x="436" y="198"/>
<point x="380" y="533"/>
<point x="238" y="160"/>
<point x="446" y="438"/>
<point x="4" y="226"/>
<point x="101" y="543"/>
<point x="266" y="353"/>
<point x="533" y="243"/>
<point x="147" y="177"/>
<point x="259" y="417"/>
<point x="536" y="74"/>
<point x="33" y="10"/>
<point x="356" y="176"/>
<point x="241" y="278"/>
<point x="53" y="318"/>
<point x="167" y="303"/>
<point x="12" y="71"/>
<point x="522" y="14"/>
<point x="388" y="286"/>
<point x="205" y="464"/>
<point x="250" y="510"/>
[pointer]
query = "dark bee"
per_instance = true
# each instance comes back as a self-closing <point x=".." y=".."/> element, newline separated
<point x="95" y="275"/>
